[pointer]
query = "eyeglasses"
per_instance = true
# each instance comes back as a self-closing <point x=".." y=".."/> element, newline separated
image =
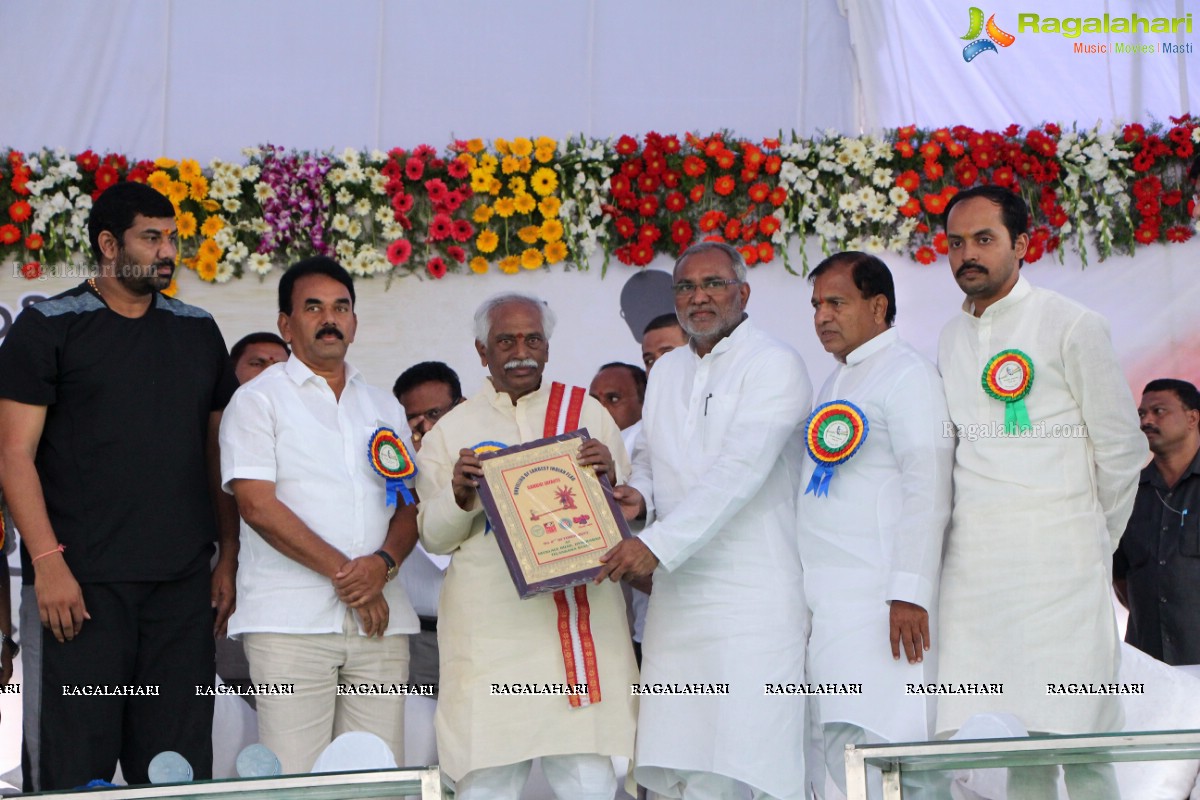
<point x="433" y="414"/>
<point x="709" y="285"/>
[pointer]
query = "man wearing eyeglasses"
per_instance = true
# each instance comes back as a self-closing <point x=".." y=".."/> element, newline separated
<point x="716" y="479"/>
<point x="490" y="639"/>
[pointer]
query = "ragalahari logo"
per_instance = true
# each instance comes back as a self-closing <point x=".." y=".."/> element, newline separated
<point x="995" y="36"/>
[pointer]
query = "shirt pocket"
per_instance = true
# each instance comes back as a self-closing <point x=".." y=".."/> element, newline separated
<point x="715" y="420"/>
<point x="1189" y="535"/>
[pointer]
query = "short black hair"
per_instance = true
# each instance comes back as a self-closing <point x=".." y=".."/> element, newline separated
<point x="116" y="207"/>
<point x="662" y="321"/>
<point x="637" y="373"/>
<point x="428" y="372"/>
<point x="870" y="275"/>
<point x="258" y="337"/>
<point x="316" y="265"/>
<point x="1014" y="212"/>
<point x="1187" y="393"/>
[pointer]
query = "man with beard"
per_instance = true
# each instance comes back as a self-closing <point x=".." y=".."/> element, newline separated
<point x="1045" y="474"/>
<point x="490" y="639"/>
<point x="312" y="452"/>
<point x="110" y="399"/>
<point x="716" y="476"/>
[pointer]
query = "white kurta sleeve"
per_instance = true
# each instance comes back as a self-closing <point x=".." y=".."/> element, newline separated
<point x="1119" y="448"/>
<point x="916" y="413"/>
<point x="641" y="477"/>
<point x="442" y="525"/>
<point x="772" y="402"/>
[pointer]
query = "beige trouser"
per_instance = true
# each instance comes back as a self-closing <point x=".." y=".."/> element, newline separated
<point x="299" y="726"/>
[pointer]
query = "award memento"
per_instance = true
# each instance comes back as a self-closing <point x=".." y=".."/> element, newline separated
<point x="1008" y="376"/>
<point x="390" y="458"/>
<point x="552" y="518"/>
<point x="833" y="434"/>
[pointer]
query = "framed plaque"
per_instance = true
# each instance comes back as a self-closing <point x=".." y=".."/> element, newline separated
<point x="552" y="518"/>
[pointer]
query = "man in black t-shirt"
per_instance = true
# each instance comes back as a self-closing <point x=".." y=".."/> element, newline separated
<point x="110" y="400"/>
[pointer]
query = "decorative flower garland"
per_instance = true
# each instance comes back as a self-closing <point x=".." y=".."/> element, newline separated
<point x="529" y="203"/>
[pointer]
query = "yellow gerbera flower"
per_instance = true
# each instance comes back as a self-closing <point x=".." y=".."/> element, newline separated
<point x="555" y="252"/>
<point x="488" y="161"/>
<point x="206" y="268"/>
<point x="487" y="241"/>
<point x="505" y="207"/>
<point x="544" y="181"/>
<point x="213" y="225"/>
<point x="173" y="289"/>
<point x="481" y="179"/>
<point x="521" y="147"/>
<point x="209" y="251"/>
<point x="525" y="164"/>
<point x="495" y="187"/>
<point x="545" y="141"/>
<point x="478" y="265"/>
<point x="189" y="170"/>
<point x="551" y="230"/>
<point x="525" y="203"/>
<point x="474" y="145"/>
<point x="544" y="154"/>
<point x="501" y="147"/>
<point x="185" y="223"/>
<point x="159" y="181"/>
<point x="516" y="185"/>
<point x="510" y="265"/>
<point x="510" y="165"/>
<point x="199" y="188"/>
<point x="531" y="258"/>
<point x="469" y="160"/>
<point x="549" y="207"/>
<point x="165" y="163"/>
<point x="177" y="192"/>
<point x="212" y="205"/>
<point x="482" y="214"/>
<point x="529" y="234"/>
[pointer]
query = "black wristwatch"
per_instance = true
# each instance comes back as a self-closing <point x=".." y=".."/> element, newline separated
<point x="13" y="647"/>
<point x="392" y="566"/>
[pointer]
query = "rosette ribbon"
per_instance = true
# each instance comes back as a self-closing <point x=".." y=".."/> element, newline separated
<point x="1008" y="376"/>
<point x="833" y="434"/>
<point x="390" y="458"/>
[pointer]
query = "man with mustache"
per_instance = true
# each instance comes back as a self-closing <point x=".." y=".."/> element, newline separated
<point x="489" y="638"/>
<point x="1156" y="570"/>
<point x="1045" y="473"/>
<point x="305" y="449"/>
<point x="110" y="399"/>
<point x="718" y="467"/>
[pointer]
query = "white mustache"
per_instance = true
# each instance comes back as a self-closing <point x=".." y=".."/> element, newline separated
<point x="521" y="363"/>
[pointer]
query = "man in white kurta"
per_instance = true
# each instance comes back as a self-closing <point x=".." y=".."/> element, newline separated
<point x="1025" y="583"/>
<point x="717" y="475"/>
<point x="487" y="635"/>
<point x="872" y="546"/>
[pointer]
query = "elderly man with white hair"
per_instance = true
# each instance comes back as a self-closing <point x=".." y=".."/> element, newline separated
<point x="488" y="636"/>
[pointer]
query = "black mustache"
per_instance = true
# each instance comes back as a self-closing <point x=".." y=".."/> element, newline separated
<point x="1150" y="429"/>
<point x="330" y="329"/>
<point x="967" y="266"/>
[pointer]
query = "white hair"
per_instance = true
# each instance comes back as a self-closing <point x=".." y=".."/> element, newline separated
<point x="483" y="314"/>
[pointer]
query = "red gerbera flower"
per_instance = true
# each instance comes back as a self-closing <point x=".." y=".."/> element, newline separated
<point x="647" y="182"/>
<point x="1179" y="233"/>
<point x="925" y="255"/>
<point x="649" y="233"/>
<point x="20" y="211"/>
<point x="911" y="207"/>
<point x="34" y="241"/>
<point x="905" y="148"/>
<point x="1144" y="234"/>
<point x="626" y="145"/>
<point x="759" y="192"/>
<point x="462" y="230"/>
<point x="681" y="232"/>
<point x="725" y="185"/>
<point x="907" y="132"/>
<point x="765" y="252"/>
<point x="670" y="178"/>
<point x="648" y="205"/>
<point x="768" y="225"/>
<point x="440" y="227"/>
<point x="733" y="228"/>
<point x="436" y="267"/>
<point x="941" y="243"/>
<point x="934" y="203"/>
<point x="399" y="251"/>
<point x="9" y="234"/>
<point x="414" y="168"/>
<point x="436" y="189"/>
<point x="697" y="193"/>
<point x="675" y="202"/>
<point x="711" y="220"/>
<point x="457" y="253"/>
<point x="778" y="196"/>
<point x="908" y="180"/>
<point x="458" y="169"/>
<point x="402" y="203"/>
<point x="670" y="144"/>
<point x="87" y="161"/>
<point x="749" y="254"/>
<point x="625" y="227"/>
<point x="931" y="150"/>
<point x="725" y="158"/>
<point x="642" y="253"/>
<point x="31" y="271"/>
<point x="772" y="165"/>
<point x="694" y="166"/>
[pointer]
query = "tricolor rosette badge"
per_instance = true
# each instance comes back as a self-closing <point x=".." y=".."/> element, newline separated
<point x="833" y="434"/>
<point x="1008" y="376"/>
<point x="390" y="458"/>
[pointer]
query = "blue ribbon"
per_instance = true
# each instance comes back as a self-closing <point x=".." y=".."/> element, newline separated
<point x="398" y="486"/>
<point x="819" y="485"/>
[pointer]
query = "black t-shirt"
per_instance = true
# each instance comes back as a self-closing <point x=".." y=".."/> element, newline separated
<point x="122" y="456"/>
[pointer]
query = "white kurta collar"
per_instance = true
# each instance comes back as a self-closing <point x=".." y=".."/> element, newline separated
<point x="1021" y="289"/>
<point x="504" y="399"/>
<point x="871" y="347"/>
